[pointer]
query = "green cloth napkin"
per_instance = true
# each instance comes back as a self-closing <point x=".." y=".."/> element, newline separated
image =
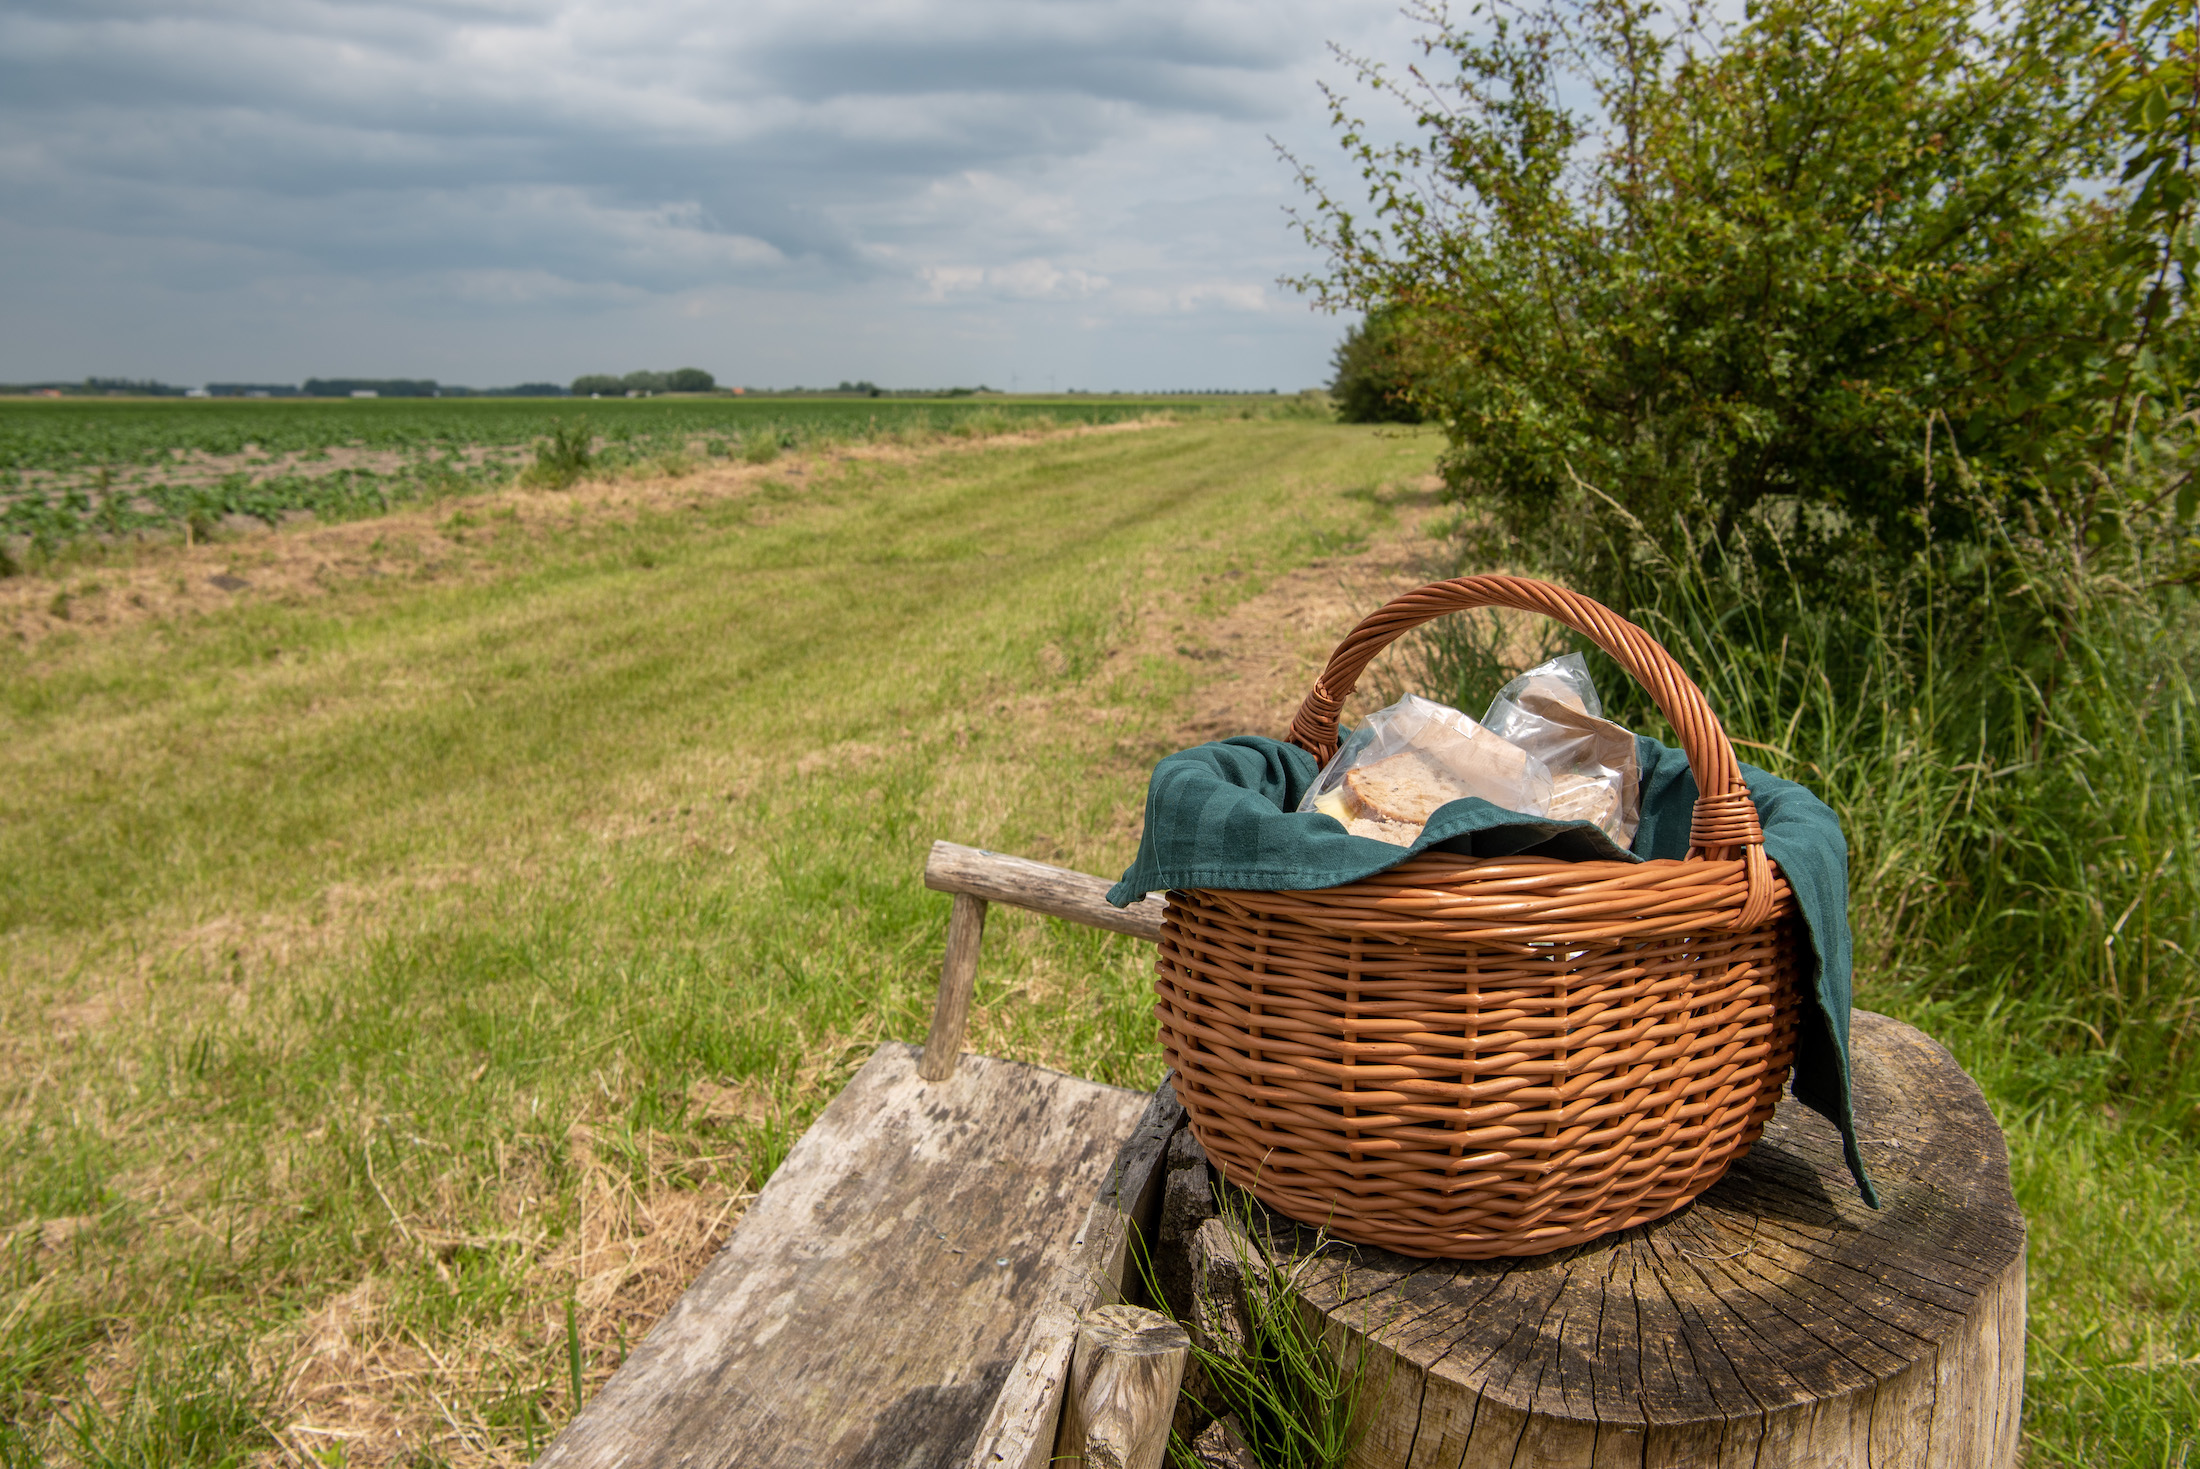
<point x="1223" y="816"/>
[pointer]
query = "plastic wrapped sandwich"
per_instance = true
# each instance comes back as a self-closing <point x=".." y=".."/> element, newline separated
<point x="1391" y="775"/>
<point x="1552" y="712"/>
<point x="1543" y="749"/>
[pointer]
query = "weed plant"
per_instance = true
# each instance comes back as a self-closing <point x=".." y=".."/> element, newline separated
<point x="1294" y="1390"/>
<point x="564" y="458"/>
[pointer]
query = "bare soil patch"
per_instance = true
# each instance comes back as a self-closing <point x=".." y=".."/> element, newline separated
<point x="1261" y="657"/>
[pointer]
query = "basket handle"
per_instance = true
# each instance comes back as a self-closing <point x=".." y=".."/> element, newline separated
<point x="1725" y="817"/>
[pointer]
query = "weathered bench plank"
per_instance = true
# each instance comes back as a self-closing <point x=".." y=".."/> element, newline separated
<point x="1020" y="1431"/>
<point x="870" y="1306"/>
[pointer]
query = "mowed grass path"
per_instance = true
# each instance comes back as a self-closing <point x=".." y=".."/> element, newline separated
<point x="403" y="986"/>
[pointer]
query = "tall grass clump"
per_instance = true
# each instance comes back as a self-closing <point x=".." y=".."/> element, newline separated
<point x="1294" y="1388"/>
<point x="2009" y="734"/>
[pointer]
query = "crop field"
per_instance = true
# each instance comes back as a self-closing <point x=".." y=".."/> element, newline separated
<point x="85" y="470"/>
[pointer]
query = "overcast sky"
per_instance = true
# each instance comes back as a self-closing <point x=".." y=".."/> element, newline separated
<point x="1037" y="193"/>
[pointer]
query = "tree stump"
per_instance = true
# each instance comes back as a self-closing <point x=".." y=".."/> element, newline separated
<point x="1776" y="1321"/>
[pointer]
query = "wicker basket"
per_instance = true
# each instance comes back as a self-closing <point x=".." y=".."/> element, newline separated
<point x="1468" y="1058"/>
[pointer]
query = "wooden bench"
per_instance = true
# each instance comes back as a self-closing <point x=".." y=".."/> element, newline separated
<point x="908" y="1288"/>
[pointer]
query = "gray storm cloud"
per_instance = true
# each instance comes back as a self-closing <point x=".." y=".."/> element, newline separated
<point x="935" y="189"/>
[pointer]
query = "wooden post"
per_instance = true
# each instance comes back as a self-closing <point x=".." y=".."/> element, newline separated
<point x="1123" y="1379"/>
<point x="965" y="930"/>
<point x="977" y="877"/>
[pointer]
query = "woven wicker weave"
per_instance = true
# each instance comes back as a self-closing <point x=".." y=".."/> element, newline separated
<point x="1472" y="1058"/>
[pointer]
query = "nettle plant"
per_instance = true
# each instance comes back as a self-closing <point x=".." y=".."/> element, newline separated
<point x="1673" y="280"/>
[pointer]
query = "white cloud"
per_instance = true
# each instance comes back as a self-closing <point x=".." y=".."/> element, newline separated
<point x="909" y="190"/>
<point x="1193" y="296"/>
<point x="1024" y="280"/>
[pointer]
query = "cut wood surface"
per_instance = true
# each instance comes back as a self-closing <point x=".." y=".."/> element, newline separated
<point x="871" y="1305"/>
<point x="1776" y="1322"/>
<point x="1057" y="891"/>
<point x="1124" y="1374"/>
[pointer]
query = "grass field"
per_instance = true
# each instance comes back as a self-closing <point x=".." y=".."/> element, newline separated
<point x="397" y="974"/>
<point x="80" y="474"/>
<point x="408" y="977"/>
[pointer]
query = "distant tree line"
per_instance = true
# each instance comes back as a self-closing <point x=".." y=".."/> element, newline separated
<point x="381" y="387"/>
<point x="138" y="387"/>
<point x="101" y="387"/>
<point x="679" y="380"/>
<point x="344" y="387"/>
<point x="315" y="387"/>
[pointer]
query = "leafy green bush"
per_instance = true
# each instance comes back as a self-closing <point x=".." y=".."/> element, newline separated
<point x="1771" y="270"/>
<point x="1375" y="380"/>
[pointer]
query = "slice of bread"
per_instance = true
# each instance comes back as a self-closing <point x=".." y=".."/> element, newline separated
<point x="1397" y="833"/>
<point x="1439" y="766"/>
<point x="1585" y="798"/>
<point x="1407" y="787"/>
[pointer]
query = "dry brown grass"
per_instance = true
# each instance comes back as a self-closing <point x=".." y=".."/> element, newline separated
<point x="355" y="1371"/>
